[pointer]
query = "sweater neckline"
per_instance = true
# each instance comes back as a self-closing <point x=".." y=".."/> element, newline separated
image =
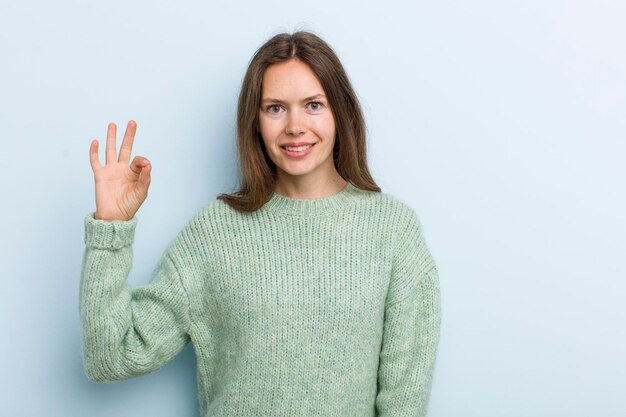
<point x="304" y="207"/>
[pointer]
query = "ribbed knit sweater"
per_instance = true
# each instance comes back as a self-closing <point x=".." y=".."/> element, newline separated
<point x="306" y="307"/>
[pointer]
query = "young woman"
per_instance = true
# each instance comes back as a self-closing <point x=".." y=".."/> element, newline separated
<point x="308" y="292"/>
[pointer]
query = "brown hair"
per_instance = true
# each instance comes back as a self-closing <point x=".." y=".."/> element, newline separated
<point x="349" y="152"/>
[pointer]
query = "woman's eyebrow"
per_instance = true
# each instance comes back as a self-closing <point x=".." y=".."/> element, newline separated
<point x="275" y="100"/>
<point x="315" y="97"/>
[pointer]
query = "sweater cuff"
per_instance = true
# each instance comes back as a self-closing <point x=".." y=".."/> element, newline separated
<point x="104" y="234"/>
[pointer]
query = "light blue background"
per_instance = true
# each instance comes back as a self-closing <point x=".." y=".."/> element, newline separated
<point x="502" y="122"/>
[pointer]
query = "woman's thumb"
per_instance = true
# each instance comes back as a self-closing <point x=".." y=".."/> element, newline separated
<point x="144" y="175"/>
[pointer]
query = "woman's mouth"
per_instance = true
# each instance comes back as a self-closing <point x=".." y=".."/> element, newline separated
<point x="297" y="151"/>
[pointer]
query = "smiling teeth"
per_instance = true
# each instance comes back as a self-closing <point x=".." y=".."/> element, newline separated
<point x="297" y="149"/>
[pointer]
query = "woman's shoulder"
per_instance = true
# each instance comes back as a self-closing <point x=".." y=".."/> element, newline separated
<point x="391" y="204"/>
<point x="212" y="213"/>
<point x="209" y="221"/>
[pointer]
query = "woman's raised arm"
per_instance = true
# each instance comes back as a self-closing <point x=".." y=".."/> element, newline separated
<point x="126" y="332"/>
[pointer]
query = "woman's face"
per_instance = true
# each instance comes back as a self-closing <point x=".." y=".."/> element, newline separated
<point x="296" y="122"/>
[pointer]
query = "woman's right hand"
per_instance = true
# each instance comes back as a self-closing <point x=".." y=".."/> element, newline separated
<point x="120" y="188"/>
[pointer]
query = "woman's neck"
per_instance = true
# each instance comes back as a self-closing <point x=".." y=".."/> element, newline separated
<point x="309" y="188"/>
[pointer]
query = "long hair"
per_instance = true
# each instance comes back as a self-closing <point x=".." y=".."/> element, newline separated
<point x="349" y="152"/>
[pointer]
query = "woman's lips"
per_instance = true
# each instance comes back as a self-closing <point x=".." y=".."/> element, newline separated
<point x="298" y="154"/>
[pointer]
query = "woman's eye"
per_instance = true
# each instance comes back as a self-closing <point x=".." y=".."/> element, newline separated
<point x="315" y="105"/>
<point x="274" y="108"/>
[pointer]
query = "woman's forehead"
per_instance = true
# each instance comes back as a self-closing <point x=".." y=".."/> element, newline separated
<point x="290" y="79"/>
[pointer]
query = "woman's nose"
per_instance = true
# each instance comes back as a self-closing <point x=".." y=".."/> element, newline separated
<point x="295" y="124"/>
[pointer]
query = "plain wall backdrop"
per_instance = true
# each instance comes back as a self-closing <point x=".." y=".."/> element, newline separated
<point x="501" y="122"/>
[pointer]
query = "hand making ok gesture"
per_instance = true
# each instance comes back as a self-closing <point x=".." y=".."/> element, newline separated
<point x="120" y="188"/>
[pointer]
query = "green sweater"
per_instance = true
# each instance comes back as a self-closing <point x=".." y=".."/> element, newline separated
<point x="325" y="307"/>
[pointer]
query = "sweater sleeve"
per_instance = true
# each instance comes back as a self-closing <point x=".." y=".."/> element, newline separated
<point x="126" y="332"/>
<point x="411" y="328"/>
